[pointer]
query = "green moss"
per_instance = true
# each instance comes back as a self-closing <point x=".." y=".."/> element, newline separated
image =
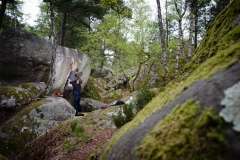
<point x="5" y="129"/>
<point x="33" y="106"/>
<point x="220" y="35"/>
<point x="35" y="91"/>
<point x="182" y="135"/>
<point x="144" y="83"/>
<point x="21" y="124"/>
<point x="24" y="85"/>
<point x="13" y="146"/>
<point x="22" y="97"/>
<point x="3" y="157"/>
<point x="90" y="91"/>
<point x="94" y="154"/>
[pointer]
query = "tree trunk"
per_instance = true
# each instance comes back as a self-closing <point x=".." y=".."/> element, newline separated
<point x="162" y="38"/>
<point x="54" y="50"/>
<point x="166" y="4"/>
<point x="63" y="29"/>
<point x="181" y="13"/>
<point x="179" y="48"/>
<point x="138" y="71"/>
<point x="191" y="28"/>
<point x="2" y="11"/>
<point x="195" y="30"/>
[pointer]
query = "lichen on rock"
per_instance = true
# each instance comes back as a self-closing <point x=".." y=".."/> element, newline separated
<point x="231" y="101"/>
<point x="184" y="135"/>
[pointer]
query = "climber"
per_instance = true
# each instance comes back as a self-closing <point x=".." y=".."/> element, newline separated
<point x="75" y="82"/>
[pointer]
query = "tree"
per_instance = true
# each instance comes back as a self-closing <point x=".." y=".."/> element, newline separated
<point x="181" y="8"/>
<point x="193" y="4"/>
<point x="162" y="37"/>
<point x="54" y="51"/>
<point x="12" y="18"/>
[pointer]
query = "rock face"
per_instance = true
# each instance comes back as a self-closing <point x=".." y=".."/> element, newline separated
<point x="32" y="122"/>
<point x="196" y="118"/>
<point x="27" y="58"/>
<point x="90" y="105"/>
<point x="14" y="98"/>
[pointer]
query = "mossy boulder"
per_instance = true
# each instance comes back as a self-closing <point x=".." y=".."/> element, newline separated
<point x="90" y="91"/>
<point x="99" y="83"/>
<point x="37" y="89"/>
<point x="142" y="79"/>
<point x="90" y="105"/>
<point x="112" y="95"/>
<point x="183" y="121"/>
<point x="26" y="57"/>
<point x="13" y="99"/>
<point x="32" y="122"/>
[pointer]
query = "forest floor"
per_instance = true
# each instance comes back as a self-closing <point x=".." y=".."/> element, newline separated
<point x="62" y="145"/>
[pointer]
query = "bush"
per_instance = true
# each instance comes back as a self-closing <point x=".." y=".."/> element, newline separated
<point x="124" y="115"/>
<point x="144" y="97"/>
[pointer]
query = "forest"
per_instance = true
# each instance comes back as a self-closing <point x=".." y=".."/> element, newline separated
<point x="122" y="33"/>
<point x="190" y="47"/>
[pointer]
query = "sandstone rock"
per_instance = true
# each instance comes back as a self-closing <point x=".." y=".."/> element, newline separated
<point x="27" y="58"/>
<point x="32" y="122"/>
<point x="35" y="88"/>
<point x="13" y="99"/>
<point x="90" y="105"/>
<point x="143" y="74"/>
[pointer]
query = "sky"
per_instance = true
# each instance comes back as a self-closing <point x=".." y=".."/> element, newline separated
<point x="31" y="8"/>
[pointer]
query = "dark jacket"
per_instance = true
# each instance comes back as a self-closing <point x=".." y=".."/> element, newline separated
<point x="76" y="89"/>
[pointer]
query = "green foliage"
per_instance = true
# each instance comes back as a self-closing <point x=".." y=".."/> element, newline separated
<point x="78" y="132"/>
<point x="119" y="119"/>
<point x="143" y="97"/>
<point x="124" y="115"/>
<point x="68" y="145"/>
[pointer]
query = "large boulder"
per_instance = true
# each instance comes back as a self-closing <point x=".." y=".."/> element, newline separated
<point x="26" y="57"/>
<point x="90" y="105"/>
<point x="32" y="122"/>
<point x="198" y="117"/>
<point x="13" y="99"/>
<point x="142" y="78"/>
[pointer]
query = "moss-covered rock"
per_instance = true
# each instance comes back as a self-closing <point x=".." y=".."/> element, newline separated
<point x="142" y="79"/>
<point x="90" y="91"/>
<point x="32" y="122"/>
<point x="99" y="83"/>
<point x="221" y="34"/>
<point x="13" y="99"/>
<point x="214" y="68"/>
<point x="183" y="135"/>
<point x="36" y="89"/>
<point x="112" y="95"/>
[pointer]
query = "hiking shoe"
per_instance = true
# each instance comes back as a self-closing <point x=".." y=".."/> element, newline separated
<point x="80" y="114"/>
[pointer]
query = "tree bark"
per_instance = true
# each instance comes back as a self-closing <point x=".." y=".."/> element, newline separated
<point x="54" y="49"/>
<point x="2" y="11"/>
<point x="181" y="13"/>
<point x="191" y="28"/>
<point x="63" y="29"/>
<point x="162" y="38"/>
<point x="166" y="4"/>
<point x="195" y="30"/>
